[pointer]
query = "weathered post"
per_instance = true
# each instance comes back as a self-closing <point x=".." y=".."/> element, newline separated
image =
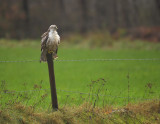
<point x="52" y="81"/>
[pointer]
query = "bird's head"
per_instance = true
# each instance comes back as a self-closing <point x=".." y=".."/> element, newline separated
<point x="53" y="27"/>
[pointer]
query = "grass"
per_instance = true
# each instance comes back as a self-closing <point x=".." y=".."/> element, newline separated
<point x="144" y="80"/>
<point x="115" y="89"/>
<point x="142" y="113"/>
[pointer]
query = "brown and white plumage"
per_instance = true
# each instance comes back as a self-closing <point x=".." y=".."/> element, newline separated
<point x="49" y="43"/>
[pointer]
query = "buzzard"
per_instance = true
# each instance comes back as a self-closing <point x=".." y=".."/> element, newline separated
<point x="49" y="43"/>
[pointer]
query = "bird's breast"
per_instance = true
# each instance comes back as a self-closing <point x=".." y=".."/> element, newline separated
<point x="53" y="38"/>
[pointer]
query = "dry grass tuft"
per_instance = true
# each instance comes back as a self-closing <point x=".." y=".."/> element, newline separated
<point x="145" y="107"/>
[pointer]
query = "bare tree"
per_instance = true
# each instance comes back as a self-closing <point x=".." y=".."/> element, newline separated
<point x="83" y="5"/>
<point x="26" y="10"/>
<point x="158" y="5"/>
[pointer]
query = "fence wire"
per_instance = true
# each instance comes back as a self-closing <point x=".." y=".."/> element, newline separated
<point x="78" y="92"/>
<point x="80" y="60"/>
<point x="19" y="61"/>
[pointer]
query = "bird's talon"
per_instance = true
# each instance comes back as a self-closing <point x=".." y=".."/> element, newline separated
<point x="50" y="52"/>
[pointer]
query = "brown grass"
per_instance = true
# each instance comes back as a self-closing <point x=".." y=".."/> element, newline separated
<point x="146" y="112"/>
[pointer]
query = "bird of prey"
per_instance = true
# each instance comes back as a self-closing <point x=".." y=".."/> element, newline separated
<point x="49" y="43"/>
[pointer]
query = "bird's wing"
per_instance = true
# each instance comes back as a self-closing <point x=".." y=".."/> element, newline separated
<point x="44" y="34"/>
<point x="44" y="40"/>
<point x="58" y="39"/>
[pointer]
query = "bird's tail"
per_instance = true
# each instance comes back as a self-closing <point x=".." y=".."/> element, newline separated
<point x="43" y="57"/>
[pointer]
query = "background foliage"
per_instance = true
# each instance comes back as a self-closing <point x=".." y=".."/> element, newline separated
<point x="28" y="19"/>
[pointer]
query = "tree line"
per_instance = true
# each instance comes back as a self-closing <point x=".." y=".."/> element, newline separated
<point x="29" y="18"/>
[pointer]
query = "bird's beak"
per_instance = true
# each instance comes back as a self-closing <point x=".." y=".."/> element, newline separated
<point x="56" y="28"/>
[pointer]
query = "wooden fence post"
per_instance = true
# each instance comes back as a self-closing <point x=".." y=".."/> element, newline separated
<point x="52" y="81"/>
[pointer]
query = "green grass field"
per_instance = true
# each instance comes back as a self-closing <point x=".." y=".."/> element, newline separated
<point x="144" y="76"/>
